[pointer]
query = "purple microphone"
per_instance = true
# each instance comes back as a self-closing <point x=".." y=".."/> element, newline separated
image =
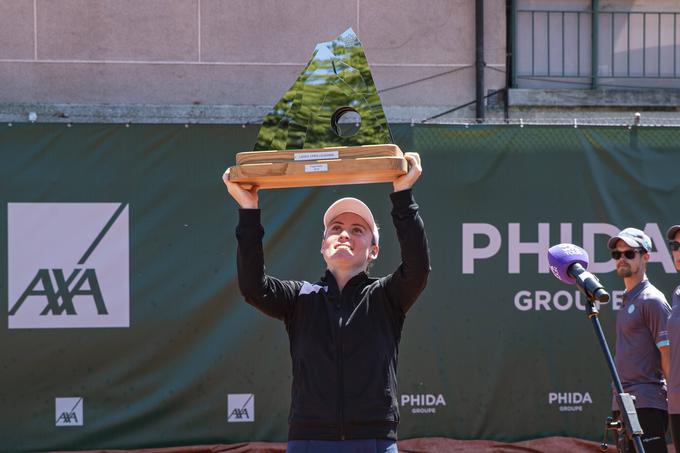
<point x="568" y="263"/>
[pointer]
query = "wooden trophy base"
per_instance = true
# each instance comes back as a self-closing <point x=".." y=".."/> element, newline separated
<point x="319" y="167"/>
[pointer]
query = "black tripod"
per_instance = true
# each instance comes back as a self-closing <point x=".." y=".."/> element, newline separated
<point x="626" y="406"/>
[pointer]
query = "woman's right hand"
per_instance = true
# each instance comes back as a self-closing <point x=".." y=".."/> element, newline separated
<point x="246" y="199"/>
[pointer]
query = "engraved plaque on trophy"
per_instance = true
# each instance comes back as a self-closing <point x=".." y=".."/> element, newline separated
<point x="328" y="129"/>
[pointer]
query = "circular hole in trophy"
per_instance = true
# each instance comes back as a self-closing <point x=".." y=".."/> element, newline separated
<point x="345" y="122"/>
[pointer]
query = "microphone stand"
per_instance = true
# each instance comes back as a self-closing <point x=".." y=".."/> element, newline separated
<point x="626" y="405"/>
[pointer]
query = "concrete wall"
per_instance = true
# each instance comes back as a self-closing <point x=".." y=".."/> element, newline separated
<point x="237" y="53"/>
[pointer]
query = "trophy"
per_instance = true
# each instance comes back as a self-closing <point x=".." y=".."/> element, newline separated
<point x="328" y="129"/>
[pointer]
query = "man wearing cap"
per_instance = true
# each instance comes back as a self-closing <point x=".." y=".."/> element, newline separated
<point x="344" y="330"/>
<point x="642" y="356"/>
<point x="673" y="235"/>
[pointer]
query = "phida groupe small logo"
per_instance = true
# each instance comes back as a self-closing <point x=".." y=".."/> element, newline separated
<point x="569" y="401"/>
<point x="423" y="403"/>
<point x="68" y="265"/>
<point x="240" y="407"/>
<point x="68" y="411"/>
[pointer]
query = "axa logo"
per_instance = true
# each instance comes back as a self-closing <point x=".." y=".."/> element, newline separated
<point x="68" y="265"/>
<point x="68" y="411"/>
<point x="240" y="407"/>
<point x="423" y="403"/>
<point x="61" y="300"/>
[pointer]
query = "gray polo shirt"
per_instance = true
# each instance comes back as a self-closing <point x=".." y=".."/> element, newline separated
<point x="640" y="332"/>
<point x="674" y="337"/>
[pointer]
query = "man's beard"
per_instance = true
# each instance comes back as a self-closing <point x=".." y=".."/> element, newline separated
<point x="624" y="272"/>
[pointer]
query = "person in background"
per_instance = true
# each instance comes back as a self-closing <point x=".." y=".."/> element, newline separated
<point x="673" y="235"/>
<point x="642" y="345"/>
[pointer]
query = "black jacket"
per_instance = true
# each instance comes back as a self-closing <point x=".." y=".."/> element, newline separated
<point x="344" y="345"/>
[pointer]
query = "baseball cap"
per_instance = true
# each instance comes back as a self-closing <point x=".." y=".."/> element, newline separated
<point x="354" y="205"/>
<point x="672" y="231"/>
<point x="633" y="237"/>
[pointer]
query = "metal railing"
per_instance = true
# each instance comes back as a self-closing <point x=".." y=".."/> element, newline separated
<point x="593" y="45"/>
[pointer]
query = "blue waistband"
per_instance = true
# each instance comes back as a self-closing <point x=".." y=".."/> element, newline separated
<point x="342" y="446"/>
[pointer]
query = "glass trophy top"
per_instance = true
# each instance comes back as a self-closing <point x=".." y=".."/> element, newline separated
<point x="333" y="102"/>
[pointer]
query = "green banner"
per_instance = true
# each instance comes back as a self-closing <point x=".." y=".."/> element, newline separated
<point x="125" y="327"/>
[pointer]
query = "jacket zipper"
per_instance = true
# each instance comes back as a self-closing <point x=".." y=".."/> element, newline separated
<point x="340" y="372"/>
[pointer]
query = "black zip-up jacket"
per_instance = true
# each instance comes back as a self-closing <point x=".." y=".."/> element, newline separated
<point x="344" y="345"/>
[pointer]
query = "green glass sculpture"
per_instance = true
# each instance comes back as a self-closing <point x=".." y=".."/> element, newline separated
<point x="333" y="102"/>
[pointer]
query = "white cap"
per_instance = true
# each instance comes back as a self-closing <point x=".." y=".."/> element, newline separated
<point x="633" y="237"/>
<point x="355" y="206"/>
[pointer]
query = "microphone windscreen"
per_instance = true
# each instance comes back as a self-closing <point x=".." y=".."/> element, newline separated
<point x="562" y="256"/>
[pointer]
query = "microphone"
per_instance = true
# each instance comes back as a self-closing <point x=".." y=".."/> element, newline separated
<point x="568" y="263"/>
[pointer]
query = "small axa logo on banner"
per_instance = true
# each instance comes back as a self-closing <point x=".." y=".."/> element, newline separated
<point x="569" y="401"/>
<point x="423" y="403"/>
<point x="240" y="407"/>
<point x="68" y="265"/>
<point x="68" y="411"/>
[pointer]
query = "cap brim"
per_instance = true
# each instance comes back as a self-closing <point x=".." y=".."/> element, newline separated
<point x="630" y="242"/>
<point x="353" y="205"/>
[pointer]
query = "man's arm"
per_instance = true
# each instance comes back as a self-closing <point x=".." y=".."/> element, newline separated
<point x="656" y="315"/>
<point x="410" y="278"/>
<point x="665" y="361"/>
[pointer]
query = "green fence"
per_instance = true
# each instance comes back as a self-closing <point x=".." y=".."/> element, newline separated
<point x="131" y="333"/>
